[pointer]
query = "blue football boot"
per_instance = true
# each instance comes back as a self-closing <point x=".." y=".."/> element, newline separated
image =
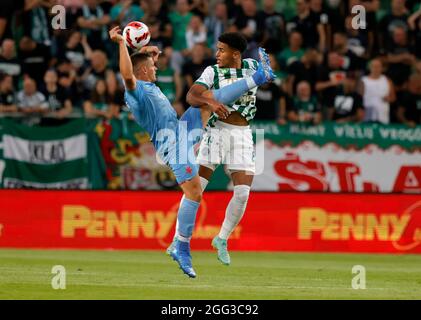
<point x="264" y="72"/>
<point x="181" y="254"/>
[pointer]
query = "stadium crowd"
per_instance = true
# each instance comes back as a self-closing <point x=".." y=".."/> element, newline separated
<point x="326" y="68"/>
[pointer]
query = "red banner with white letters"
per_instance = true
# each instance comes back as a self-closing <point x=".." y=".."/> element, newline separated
<point x="273" y="221"/>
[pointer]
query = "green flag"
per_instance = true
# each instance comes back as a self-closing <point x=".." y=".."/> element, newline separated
<point x="45" y="157"/>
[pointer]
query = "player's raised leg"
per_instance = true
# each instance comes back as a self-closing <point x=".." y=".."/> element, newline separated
<point x="234" y="91"/>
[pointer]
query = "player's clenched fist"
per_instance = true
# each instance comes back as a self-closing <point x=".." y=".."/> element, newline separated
<point x="152" y="50"/>
<point x="218" y="108"/>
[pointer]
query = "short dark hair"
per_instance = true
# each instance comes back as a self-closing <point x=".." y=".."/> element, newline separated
<point x="234" y="40"/>
<point x="139" y="57"/>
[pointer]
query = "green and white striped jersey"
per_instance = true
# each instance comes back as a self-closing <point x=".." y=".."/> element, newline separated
<point x="215" y="77"/>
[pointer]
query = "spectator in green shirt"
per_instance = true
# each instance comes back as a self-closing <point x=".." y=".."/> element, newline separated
<point x="293" y="52"/>
<point x="99" y="103"/>
<point x="304" y="107"/>
<point x="179" y="19"/>
<point x="170" y="83"/>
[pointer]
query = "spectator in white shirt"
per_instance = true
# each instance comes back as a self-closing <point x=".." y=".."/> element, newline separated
<point x="196" y="32"/>
<point x="378" y="92"/>
<point x="31" y="101"/>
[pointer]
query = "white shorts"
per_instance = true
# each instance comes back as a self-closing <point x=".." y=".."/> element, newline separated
<point x="229" y="145"/>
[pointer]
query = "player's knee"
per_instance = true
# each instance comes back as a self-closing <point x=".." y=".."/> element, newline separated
<point x="195" y="193"/>
<point x="241" y="193"/>
<point x="196" y="196"/>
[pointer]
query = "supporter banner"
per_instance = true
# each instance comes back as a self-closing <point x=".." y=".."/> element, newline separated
<point x="341" y="158"/>
<point x="45" y="157"/>
<point x="337" y="158"/>
<point x="273" y="221"/>
<point x="130" y="158"/>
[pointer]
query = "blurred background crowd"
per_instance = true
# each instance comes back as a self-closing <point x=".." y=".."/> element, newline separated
<point x="327" y="70"/>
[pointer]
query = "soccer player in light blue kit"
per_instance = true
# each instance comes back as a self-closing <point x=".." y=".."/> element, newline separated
<point x="154" y="113"/>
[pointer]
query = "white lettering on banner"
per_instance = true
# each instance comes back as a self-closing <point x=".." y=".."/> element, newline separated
<point x="45" y="152"/>
<point x="267" y="128"/>
<point x="354" y="132"/>
<point x="412" y="135"/>
<point x="318" y="131"/>
<point x="411" y="180"/>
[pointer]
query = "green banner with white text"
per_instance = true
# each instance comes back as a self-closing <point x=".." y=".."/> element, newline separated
<point x="59" y="157"/>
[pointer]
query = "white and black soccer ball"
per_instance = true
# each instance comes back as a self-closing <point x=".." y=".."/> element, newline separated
<point x="136" y="35"/>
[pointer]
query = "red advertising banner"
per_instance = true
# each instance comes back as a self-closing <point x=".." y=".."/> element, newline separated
<point x="273" y="221"/>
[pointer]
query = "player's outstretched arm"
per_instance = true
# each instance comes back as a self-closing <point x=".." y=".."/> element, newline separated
<point x="126" y="68"/>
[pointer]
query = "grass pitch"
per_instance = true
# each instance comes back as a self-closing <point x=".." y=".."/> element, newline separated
<point x="26" y="274"/>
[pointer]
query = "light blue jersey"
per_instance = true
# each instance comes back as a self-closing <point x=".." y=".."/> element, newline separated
<point x="151" y="109"/>
<point x="154" y="113"/>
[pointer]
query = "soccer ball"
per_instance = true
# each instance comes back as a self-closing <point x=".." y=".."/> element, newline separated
<point x="136" y="35"/>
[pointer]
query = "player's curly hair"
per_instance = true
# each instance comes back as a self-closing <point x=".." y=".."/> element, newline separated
<point x="234" y="40"/>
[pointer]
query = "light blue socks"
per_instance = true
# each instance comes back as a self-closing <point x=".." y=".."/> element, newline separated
<point x="234" y="91"/>
<point x="186" y="219"/>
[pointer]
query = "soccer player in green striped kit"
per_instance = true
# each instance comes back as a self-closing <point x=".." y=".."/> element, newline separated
<point x="228" y="141"/>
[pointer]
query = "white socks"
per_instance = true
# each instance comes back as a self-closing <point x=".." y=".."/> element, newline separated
<point x="203" y="183"/>
<point x="235" y="210"/>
